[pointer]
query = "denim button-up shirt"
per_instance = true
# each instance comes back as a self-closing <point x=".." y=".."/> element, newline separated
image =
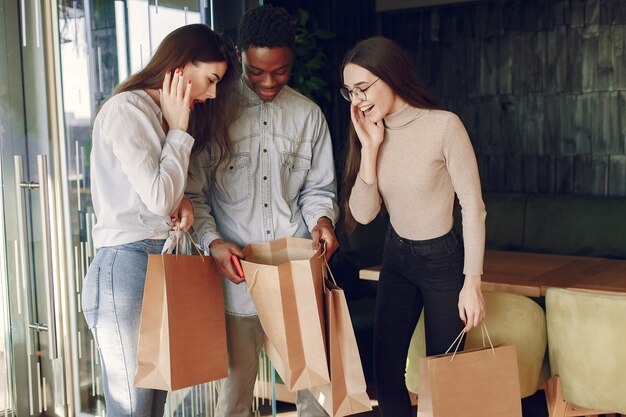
<point x="279" y="182"/>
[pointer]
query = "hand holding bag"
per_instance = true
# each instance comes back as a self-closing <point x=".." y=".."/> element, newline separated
<point x="474" y="383"/>
<point x="182" y="335"/>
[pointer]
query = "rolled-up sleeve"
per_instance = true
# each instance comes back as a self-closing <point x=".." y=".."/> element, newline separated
<point x="318" y="196"/>
<point x="198" y="188"/>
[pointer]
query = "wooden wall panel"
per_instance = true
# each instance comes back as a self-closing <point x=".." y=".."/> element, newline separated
<point x="574" y="62"/>
<point x="504" y="69"/>
<point x="583" y="174"/>
<point x="605" y="59"/>
<point x="618" y="35"/>
<point x="546" y="174"/>
<point x="590" y="58"/>
<point x="539" y="85"/>
<point x="564" y="181"/>
<point x="617" y="175"/>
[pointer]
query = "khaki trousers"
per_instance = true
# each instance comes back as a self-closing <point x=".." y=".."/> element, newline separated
<point x="245" y="336"/>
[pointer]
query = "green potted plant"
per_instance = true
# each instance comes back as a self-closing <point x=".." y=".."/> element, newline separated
<point x="309" y="61"/>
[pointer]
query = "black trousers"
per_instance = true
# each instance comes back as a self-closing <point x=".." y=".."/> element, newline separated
<point x="424" y="274"/>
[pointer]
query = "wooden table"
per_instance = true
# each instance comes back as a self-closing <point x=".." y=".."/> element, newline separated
<point x="531" y="274"/>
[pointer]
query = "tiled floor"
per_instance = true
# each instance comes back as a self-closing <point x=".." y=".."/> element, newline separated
<point x="533" y="406"/>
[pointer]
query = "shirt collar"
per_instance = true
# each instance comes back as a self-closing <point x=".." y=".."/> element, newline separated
<point x="146" y="97"/>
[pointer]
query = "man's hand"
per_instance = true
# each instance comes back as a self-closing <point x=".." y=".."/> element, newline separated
<point x="183" y="215"/>
<point x="221" y="252"/>
<point x="322" y="233"/>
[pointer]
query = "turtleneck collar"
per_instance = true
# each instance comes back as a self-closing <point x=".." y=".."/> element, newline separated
<point x="403" y="116"/>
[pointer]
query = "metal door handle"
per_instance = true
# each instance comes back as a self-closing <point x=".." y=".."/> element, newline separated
<point x="21" y="230"/>
<point x="44" y="205"/>
<point x="42" y="185"/>
<point x="38" y="23"/>
<point x="23" y="18"/>
<point x="78" y="173"/>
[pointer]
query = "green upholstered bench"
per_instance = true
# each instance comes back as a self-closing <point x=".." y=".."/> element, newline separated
<point x="576" y="225"/>
<point x="559" y="224"/>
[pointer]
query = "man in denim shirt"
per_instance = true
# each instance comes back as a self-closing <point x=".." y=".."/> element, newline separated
<point x="280" y="181"/>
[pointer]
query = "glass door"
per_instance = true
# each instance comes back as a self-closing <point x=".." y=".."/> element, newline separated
<point x="59" y="60"/>
<point x="33" y="313"/>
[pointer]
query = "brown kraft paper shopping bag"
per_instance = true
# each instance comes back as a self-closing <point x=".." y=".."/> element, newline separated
<point x="284" y="278"/>
<point x="346" y="393"/>
<point x="475" y="383"/>
<point x="182" y="336"/>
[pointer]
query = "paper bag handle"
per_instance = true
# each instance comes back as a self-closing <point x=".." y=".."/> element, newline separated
<point x="193" y="242"/>
<point x="326" y="266"/>
<point x="457" y="341"/>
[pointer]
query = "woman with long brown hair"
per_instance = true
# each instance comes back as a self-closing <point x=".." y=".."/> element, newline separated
<point x="143" y="137"/>
<point x="408" y="154"/>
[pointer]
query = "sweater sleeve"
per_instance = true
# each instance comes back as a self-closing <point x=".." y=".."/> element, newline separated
<point x="461" y="164"/>
<point x="364" y="201"/>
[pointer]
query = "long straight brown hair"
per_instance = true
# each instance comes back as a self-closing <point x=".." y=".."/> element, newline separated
<point x="196" y="43"/>
<point x="387" y="61"/>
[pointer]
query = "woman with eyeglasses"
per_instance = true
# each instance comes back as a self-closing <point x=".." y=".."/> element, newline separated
<point x="413" y="157"/>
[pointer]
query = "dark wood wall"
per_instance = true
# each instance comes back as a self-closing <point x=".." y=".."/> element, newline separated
<point x="540" y="86"/>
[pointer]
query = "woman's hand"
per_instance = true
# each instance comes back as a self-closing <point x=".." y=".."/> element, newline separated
<point x="370" y="134"/>
<point x="471" y="302"/>
<point x="221" y="252"/>
<point x="175" y="99"/>
<point x="183" y="216"/>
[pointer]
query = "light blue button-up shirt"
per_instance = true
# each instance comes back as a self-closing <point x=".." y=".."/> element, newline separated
<point x="279" y="182"/>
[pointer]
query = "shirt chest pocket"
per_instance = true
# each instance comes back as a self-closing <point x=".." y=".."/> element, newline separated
<point x="294" y="171"/>
<point x="233" y="180"/>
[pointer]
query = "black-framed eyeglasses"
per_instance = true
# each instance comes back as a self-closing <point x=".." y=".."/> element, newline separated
<point x="356" y="92"/>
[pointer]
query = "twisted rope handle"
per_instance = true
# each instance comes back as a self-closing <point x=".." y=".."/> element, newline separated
<point x="193" y="242"/>
<point x="326" y="268"/>
<point x="457" y="341"/>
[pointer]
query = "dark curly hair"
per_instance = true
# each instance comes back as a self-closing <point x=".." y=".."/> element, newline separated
<point x="266" y="27"/>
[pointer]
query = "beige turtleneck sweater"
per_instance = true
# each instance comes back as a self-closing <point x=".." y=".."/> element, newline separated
<point x="425" y="158"/>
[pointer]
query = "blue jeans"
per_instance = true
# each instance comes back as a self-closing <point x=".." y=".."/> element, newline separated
<point x="420" y="274"/>
<point x="111" y="299"/>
